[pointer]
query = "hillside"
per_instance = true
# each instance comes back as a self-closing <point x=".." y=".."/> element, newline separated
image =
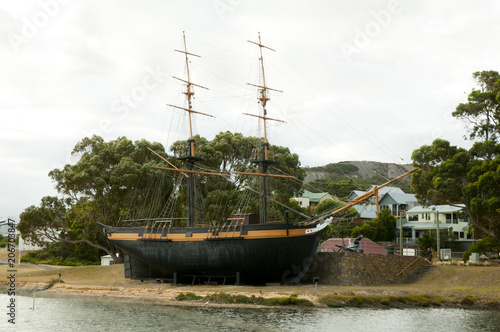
<point x="361" y="170"/>
<point x="340" y="179"/>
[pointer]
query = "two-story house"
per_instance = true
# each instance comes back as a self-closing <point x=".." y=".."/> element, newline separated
<point x="420" y="220"/>
<point x="392" y="198"/>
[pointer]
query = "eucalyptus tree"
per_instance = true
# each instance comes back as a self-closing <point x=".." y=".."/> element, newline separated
<point x="110" y="183"/>
<point x="482" y="110"/>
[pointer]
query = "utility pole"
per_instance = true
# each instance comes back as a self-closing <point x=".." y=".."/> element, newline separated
<point x="401" y="235"/>
<point x="438" y="237"/>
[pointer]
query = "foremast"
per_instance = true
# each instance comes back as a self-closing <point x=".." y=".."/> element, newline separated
<point x="260" y="156"/>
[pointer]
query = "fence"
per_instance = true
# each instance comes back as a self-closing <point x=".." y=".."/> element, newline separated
<point x="413" y="250"/>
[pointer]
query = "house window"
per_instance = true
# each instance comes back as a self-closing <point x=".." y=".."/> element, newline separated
<point x="461" y="235"/>
<point x="413" y="217"/>
<point x="469" y="236"/>
<point x="455" y="235"/>
<point x="451" y="218"/>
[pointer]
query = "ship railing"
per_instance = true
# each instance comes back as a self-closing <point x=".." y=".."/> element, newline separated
<point x="147" y="221"/>
<point x="235" y="222"/>
<point x="162" y="224"/>
<point x="226" y="230"/>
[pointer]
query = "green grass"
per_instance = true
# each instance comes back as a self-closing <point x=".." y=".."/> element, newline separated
<point x="243" y="299"/>
<point x="338" y="301"/>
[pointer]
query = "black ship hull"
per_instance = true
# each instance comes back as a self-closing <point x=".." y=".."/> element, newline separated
<point x="253" y="254"/>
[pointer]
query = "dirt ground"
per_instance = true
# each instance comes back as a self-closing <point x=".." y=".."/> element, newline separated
<point x="446" y="281"/>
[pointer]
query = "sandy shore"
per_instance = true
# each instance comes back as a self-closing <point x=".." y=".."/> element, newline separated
<point x="470" y="286"/>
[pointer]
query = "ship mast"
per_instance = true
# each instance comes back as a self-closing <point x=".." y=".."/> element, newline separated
<point x="188" y="154"/>
<point x="263" y="156"/>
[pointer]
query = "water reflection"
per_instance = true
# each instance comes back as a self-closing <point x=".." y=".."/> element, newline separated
<point x="89" y="314"/>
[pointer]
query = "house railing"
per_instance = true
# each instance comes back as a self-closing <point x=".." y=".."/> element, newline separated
<point x="407" y="240"/>
<point x="399" y="213"/>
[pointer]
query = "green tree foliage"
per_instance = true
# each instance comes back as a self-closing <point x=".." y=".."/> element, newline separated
<point x="342" y="188"/>
<point x="487" y="246"/>
<point x="232" y="152"/>
<point x="482" y="193"/>
<point x="293" y="216"/>
<point x="110" y="183"/>
<point x="3" y="241"/>
<point x="329" y="205"/>
<point x="63" y="253"/>
<point x="442" y="174"/>
<point x="429" y="239"/>
<point x="452" y="175"/>
<point x="482" y="111"/>
<point x="381" y="229"/>
<point x="341" y="168"/>
<point x="338" y="228"/>
<point x="44" y="223"/>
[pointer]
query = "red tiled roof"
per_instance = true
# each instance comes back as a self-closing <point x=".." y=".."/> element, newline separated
<point x="368" y="246"/>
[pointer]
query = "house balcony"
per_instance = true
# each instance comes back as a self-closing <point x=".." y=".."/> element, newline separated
<point x="400" y="213"/>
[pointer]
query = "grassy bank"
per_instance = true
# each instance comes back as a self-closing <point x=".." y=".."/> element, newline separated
<point x="462" y="286"/>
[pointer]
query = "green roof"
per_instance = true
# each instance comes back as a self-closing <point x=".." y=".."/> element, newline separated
<point x="314" y="197"/>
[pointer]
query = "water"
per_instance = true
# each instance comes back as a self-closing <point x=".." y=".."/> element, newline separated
<point x="94" y="314"/>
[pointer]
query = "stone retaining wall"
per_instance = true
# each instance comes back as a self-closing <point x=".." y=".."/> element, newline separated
<point x="352" y="268"/>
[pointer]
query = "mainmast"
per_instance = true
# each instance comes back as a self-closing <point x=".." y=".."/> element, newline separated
<point x="188" y="153"/>
<point x="262" y="157"/>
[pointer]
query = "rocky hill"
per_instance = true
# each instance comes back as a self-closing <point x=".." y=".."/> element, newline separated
<point x="356" y="170"/>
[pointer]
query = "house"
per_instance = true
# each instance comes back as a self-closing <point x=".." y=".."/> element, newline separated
<point x="420" y="220"/>
<point x="6" y="226"/>
<point x="28" y="246"/>
<point x="25" y="245"/>
<point x="310" y="199"/>
<point x="367" y="245"/>
<point x="392" y="198"/>
<point x="398" y="203"/>
<point x="107" y="260"/>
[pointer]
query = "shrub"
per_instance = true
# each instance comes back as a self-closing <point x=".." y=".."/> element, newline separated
<point x="468" y="300"/>
<point x="188" y="296"/>
<point x="61" y="254"/>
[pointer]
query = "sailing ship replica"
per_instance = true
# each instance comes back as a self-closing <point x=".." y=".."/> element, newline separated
<point x="251" y="253"/>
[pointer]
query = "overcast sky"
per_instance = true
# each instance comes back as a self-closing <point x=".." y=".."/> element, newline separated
<point x="361" y="80"/>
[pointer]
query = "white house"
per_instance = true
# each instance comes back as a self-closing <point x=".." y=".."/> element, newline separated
<point x="310" y="199"/>
<point x="420" y="220"/>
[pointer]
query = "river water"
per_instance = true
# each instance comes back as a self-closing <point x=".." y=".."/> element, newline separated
<point x="96" y="314"/>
